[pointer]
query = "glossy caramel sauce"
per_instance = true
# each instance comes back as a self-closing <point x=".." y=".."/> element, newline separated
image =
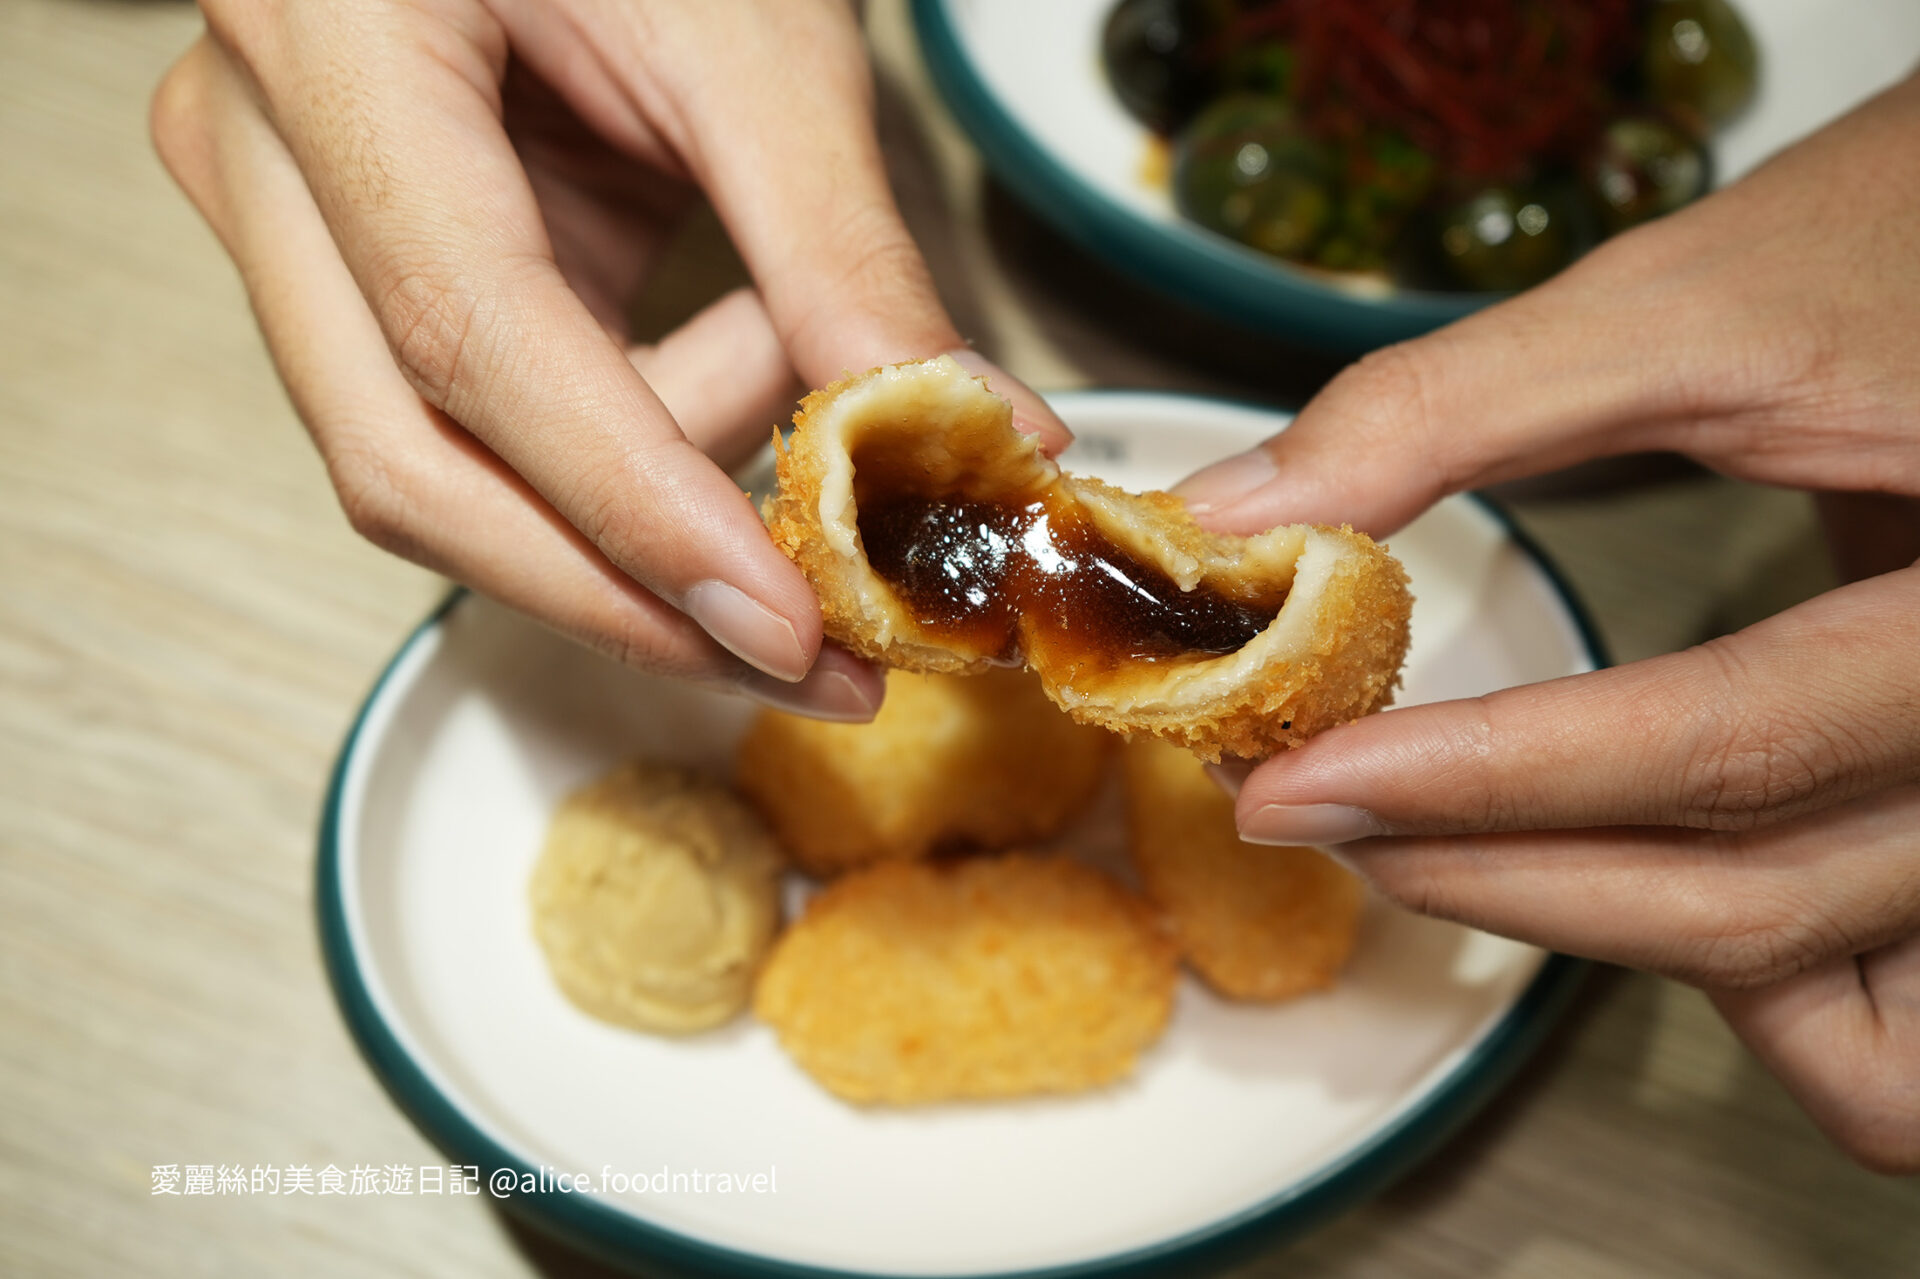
<point x="1033" y="574"/>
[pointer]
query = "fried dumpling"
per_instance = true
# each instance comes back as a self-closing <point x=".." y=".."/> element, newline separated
<point x="941" y="539"/>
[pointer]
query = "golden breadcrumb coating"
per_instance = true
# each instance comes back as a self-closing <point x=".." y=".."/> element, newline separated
<point x="655" y="898"/>
<point x="912" y="982"/>
<point x="1257" y="922"/>
<point x="948" y="764"/>
<point x="1331" y="654"/>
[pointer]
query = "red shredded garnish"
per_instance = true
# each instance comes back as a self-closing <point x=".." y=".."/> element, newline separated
<point x="1486" y="87"/>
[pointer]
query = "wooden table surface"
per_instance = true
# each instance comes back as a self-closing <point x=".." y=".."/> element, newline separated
<point x="187" y="624"/>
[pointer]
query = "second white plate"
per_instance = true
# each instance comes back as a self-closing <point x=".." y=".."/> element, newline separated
<point x="1025" y="80"/>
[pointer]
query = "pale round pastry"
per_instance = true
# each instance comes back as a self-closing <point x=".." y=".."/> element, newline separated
<point x="940" y="539"/>
<point x="949" y="763"/>
<point x="655" y="898"/>
<point x="908" y="982"/>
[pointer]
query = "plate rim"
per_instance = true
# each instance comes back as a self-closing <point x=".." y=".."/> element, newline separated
<point x="1197" y="268"/>
<point x="625" y="1240"/>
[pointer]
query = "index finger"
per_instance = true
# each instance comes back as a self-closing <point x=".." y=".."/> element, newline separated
<point x="392" y="115"/>
<point x="1523" y="387"/>
<point x="1710" y="330"/>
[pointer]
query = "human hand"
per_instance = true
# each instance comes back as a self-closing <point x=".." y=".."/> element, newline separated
<point x="441" y="213"/>
<point x="1744" y="816"/>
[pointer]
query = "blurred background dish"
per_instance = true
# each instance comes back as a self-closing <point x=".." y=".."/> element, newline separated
<point x="1244" y="1124"/>
<point x="1028" y="84"/>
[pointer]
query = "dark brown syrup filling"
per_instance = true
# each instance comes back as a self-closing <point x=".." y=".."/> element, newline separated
<point x="1033" y="574"/>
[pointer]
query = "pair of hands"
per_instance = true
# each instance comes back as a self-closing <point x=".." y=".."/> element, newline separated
<point x="442" y="209"/>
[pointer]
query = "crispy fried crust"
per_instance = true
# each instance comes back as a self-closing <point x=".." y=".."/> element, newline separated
<point x="852" y="599"/>
<point x="915" y="982"/>
<point x="1257" y="923"/>
<point x="1332" y="654"/>
<point x="949" y="763"/>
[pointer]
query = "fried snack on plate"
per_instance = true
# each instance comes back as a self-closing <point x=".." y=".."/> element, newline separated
<point x="940" y="539"/>
<point x="655" y="898"/>
<point x="948" y="764"/>
<point x="1258" y="923"/>
<point x="987" y="977"/>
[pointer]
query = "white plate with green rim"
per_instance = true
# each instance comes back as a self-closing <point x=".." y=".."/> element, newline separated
<point x="1025" y="81"/>
<point x="1242" y="1126"/>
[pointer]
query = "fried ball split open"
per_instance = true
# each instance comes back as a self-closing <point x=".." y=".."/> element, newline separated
<point x="1257" y="923"/>
<point x="948" y="764"/>
<point x="940" y="539"/>
<point x="911" y="982"/>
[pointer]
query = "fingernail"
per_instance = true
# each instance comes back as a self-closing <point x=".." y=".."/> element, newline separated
<point x="828" y="695"/>
<point x="1229" y="774"/>
<point x="1226" y="481"/>
<point x="1031" y="416"/>
<point x="1309" y="824"/>
<point x="747" y="628"/>
<point x="980" y="366"/>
